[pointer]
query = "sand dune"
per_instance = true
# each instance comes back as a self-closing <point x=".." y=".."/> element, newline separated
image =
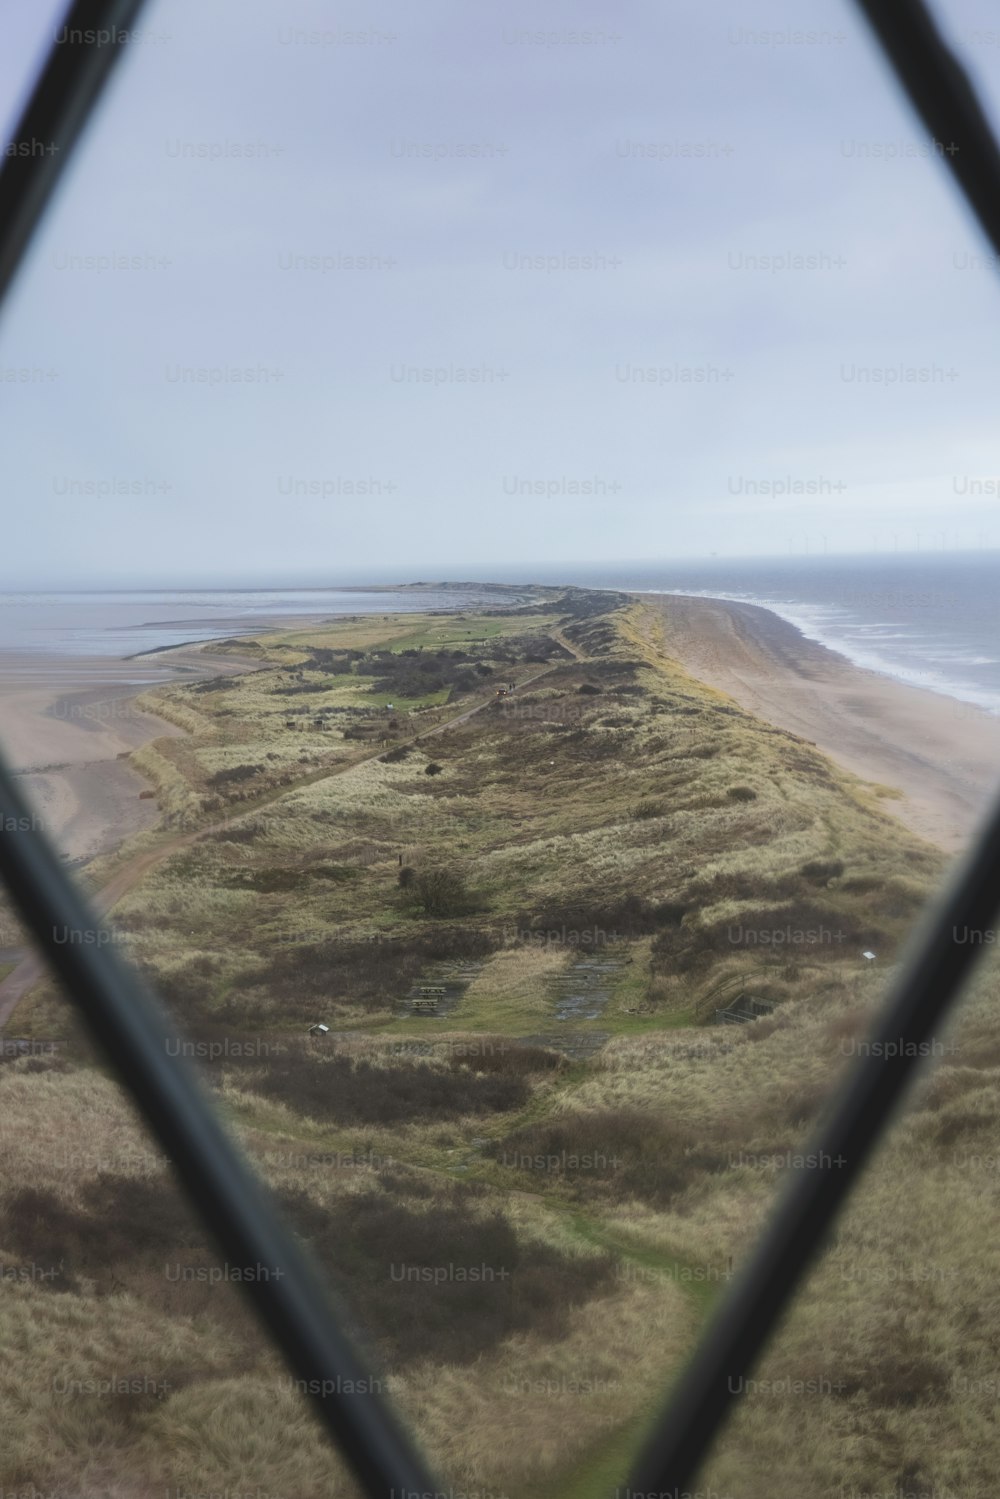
<point x="63" y="734"/>
<point x="944" y="756"/>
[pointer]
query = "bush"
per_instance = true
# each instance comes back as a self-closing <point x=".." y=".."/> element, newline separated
<point x="366" y="974"/>
<point x="231" y="777"/>
<point x="835" y="930"/>
<point x="510" y="1058"/>
<point x="741" y="794"/>
<point x="648" y="808"/>
<point x="384" y="1254"/>
<point x="625" y="916"/>
<point x="121" y="1219"/>
<point x="442" y="892"/>
<point x="433" y="769"/>
<point x="821" y="871"/>
<point x="415" y="674"/>
<point x="342" y="1091"/>
<point x="633" y="1153"/>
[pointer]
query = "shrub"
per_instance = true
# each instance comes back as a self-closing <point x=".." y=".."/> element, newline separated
<point x="232" y="776"/>
<point x="834" y="932"/>
<point x="625" y="916"/>
<point x="365" y="974"/>
<point x="384" y="1254"/>
<point x="741" y="794"/>
<point x="648" y="808"/>
<point x="442" y="892"/>
<point x="121" y="1219"/>
<point x="187" y="991"/>
<point x="821" y="871"/>
<point x="343" y="1091"/>
<point x="433" y="768"/>
<point x="635" y="1154"/>
<point x="494" y="1054"/>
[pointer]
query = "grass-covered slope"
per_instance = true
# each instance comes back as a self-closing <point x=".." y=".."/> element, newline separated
<point x="532" y="1192"/>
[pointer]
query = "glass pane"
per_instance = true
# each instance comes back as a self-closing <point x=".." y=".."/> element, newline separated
<point x="499" y="608"/>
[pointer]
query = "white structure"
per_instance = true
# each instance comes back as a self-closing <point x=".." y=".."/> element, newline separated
<point x="869" y="957"/>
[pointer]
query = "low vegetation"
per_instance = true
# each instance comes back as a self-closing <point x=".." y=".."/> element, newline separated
<point x="521" y="918"/>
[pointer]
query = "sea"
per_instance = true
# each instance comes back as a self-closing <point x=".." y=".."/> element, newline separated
<point x="40" y="632"/>
<point x="928" y="619"/>
<point x="931" y="620"/>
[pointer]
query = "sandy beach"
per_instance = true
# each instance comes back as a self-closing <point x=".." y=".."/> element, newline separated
<point x="67" y="722"/>
<point x="64" y="726"/>
<point x="943" y="755"/>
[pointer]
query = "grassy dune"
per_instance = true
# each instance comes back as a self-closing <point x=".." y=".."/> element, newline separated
<point x="589" y="869"/>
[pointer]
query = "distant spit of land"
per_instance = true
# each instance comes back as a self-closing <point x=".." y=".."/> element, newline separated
<point x="522" y="944"/>
<point x="942" y="756"/>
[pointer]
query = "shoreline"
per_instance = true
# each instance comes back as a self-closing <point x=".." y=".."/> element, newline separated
<point x="69" y="727"/>
<point x="68" y="723"/>
<point x="941" y="753"/>
<point x="967" y="694"/>
<point x="67" y="732"/>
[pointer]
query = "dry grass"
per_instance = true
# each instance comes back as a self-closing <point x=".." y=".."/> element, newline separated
<point x="620" y="1188"/>
<point x="511" y="990"/>
<point x="200" y="1372"/>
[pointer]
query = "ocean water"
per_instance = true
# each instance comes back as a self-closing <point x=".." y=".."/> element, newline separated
<point x="931" y="620"/>
<point x="38" y="630"/>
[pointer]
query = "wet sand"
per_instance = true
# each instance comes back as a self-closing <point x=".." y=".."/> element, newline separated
<point x="64" y="726"/>
<point x="943" y="755"/>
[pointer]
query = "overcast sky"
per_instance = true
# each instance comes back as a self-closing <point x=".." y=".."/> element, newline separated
<point x="547" y="220"/>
